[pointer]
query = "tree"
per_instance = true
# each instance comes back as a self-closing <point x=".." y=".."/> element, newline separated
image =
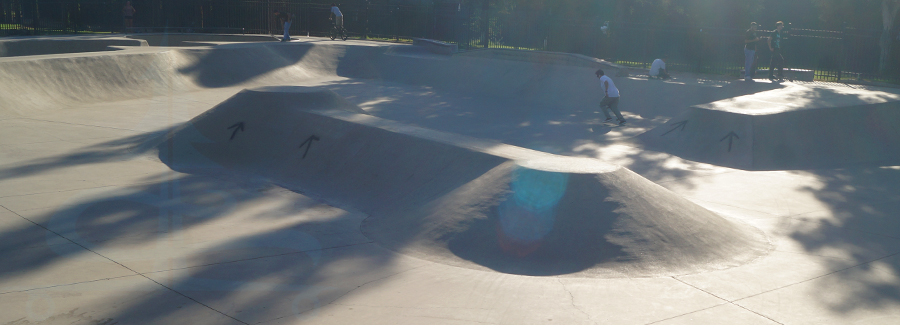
<point x="889" y="9"/>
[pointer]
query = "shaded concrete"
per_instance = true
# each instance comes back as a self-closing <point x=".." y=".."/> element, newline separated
<point x="30" y="46"/>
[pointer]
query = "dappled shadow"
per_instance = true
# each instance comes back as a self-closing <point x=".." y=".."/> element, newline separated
<point x="179" y="230"/>
<point x="562" y="130"/>
<point x="861" y="221"/>
<point x="107" y="151"/>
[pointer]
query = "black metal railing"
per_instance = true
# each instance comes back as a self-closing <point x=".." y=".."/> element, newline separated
<point x="848" y="54"/>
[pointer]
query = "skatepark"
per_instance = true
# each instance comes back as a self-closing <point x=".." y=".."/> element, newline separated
<point x="180" y="179"/>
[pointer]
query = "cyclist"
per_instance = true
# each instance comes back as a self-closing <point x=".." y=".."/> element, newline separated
<point x="338" y="17"/>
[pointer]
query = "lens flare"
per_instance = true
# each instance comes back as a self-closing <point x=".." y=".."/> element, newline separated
<point x="527" y="216"/>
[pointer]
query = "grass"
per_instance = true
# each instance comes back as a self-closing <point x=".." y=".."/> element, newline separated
<point x="402" y="39"/>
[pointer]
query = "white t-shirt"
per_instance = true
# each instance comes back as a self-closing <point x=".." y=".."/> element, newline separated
<point x="612" y="91"/>
<point x="656" y="66"/>
<point x="336" y="11"/>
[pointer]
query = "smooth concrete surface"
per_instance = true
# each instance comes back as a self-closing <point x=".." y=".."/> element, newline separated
<point x="30" y="46"/>
<point x="98" y="228"/>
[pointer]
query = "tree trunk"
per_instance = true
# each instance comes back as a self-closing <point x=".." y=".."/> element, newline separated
<point x="889" y="10"/>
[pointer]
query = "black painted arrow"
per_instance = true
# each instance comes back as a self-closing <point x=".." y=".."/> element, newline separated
<point x="237" y="126"/>
<point x="730" y="136"/>
<point x="677" y="124"/>
<point x="309" y="142"/>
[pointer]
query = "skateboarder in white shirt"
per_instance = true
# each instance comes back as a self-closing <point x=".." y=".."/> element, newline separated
<point x="658" y="69"/>
<point x="611" y="99"/>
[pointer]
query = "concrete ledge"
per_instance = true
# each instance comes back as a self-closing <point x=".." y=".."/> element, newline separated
<point x="781" y="130"/>
<point x="436" y="46"/>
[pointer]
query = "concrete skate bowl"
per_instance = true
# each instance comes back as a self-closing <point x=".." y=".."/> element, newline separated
<point x="805" y="126"/>
<point x="458" y="200"/>
<point x="195" y="39"/>
<point x="544" y="81"/>
<point x="36" y="84"/>
<point x="31" y="46"/>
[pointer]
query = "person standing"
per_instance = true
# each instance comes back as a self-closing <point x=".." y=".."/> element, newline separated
<point x="338" y="17"/>
<point x="658" y="69"/>
<point x="286" y="19"/>
<point x="777" y="59"/>
<point x="611" y="100"/>
<point x="750" y="41"/>
<point x="128" y="12"/>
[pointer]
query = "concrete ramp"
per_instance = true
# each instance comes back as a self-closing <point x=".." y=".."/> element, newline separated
<point x="459" y="200"/>
<point x="798" y="127"/>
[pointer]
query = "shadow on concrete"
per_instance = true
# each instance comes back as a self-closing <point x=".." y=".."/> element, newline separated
<point x="115" y="150"/>
<point x="861" y="224"/>
<point x="243" y="62"/>
<point x="575" y="241"/>
<point x="266" y="275"/>
<point x="561" y="130"/>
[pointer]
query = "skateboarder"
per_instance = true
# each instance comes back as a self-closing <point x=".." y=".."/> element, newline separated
<point x="286" y="19"/>
<point x="658" y="69"/>
<point x="611" y="97"/>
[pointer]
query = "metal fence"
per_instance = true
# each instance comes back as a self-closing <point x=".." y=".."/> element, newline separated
<point x="833" y="55"/>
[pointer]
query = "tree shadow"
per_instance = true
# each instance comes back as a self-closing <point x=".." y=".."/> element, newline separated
<point x="861" y="222"/>
<point x="572" y="129"/>
<point x="201" y="222"/>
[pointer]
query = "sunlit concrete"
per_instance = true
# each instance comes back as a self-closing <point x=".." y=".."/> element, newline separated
<point x="96" y="228"/>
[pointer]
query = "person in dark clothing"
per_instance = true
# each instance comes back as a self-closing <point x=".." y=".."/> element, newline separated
<point x="777" y="60"/>
<point x="750" y="41"/>
<point x="128" y="12"/>
<point x="286" y="19"/>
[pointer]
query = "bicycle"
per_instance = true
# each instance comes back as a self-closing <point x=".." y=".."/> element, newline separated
<point x="334" y="33"/>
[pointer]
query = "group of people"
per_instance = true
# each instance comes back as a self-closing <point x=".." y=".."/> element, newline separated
<point x="751" y="40"/>
<point x="286" y="19"/>
<point x="610" y="103"/>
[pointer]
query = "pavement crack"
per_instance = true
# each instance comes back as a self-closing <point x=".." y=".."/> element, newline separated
<point x="717" y="296"/>
<point x="126" y="267"/>
<point x="572" y="301"/>
<point x="334" y="301"/>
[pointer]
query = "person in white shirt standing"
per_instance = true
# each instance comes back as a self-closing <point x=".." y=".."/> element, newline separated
<point x="611" y="100"/>
<point x="338" y="17"/>
<point x="658" y="69"/>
